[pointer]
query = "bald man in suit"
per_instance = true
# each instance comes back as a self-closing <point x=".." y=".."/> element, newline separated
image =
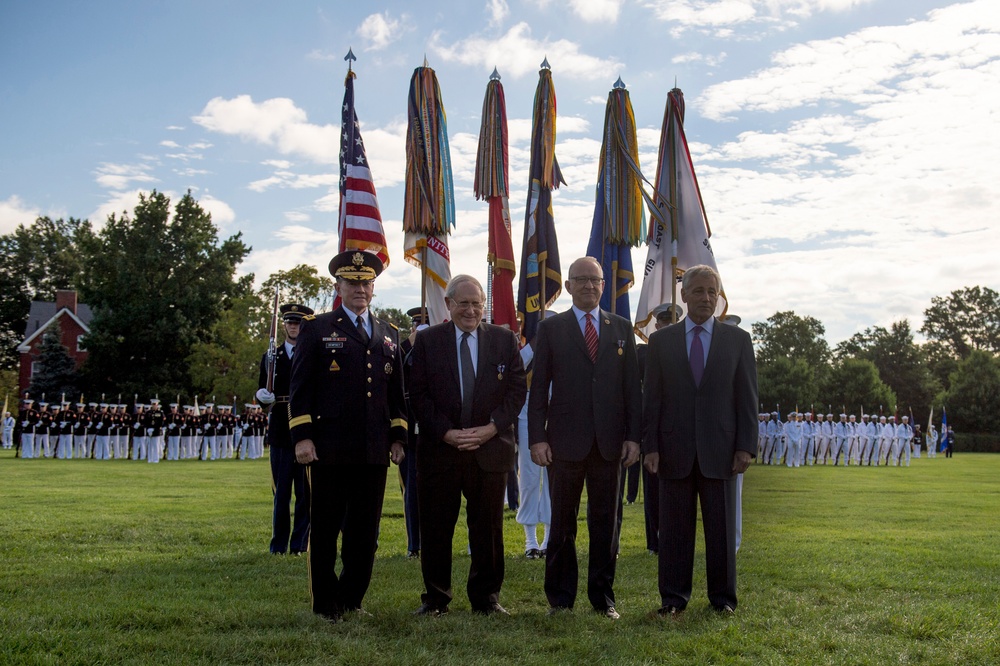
<point x="699" y="432"/>
<point x="584" y="432"/>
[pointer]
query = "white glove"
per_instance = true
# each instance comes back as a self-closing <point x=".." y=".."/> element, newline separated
<point x="265" y="396"/>
<point x="136" y="426"/>
<point x="24" y="424"/>
<point x="172" y="426"/>
<point x="100" y="425"/>
<point x="62" y="424"/>
<point x="149" y="431"/>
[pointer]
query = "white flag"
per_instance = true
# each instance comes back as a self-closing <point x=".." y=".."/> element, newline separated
<point x="692" y="246"/>
<point x="438" y="271"/>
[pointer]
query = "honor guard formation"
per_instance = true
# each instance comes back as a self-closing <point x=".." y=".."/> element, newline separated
<point x="105" y="431"/>
<point x="814" y="439"/>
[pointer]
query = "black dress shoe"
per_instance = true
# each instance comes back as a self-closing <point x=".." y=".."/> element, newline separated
<point x="296" y="553"/>
<point x="430" y="610"/>
<point x="413" y="555"/>
<point x="610" y="613"/>
<point x="531" y="554"/>
<point x="491" y="609"/>
<point x="556" y="610"/>
<point x="724" y="609"/>
<point x="669" y="611"/>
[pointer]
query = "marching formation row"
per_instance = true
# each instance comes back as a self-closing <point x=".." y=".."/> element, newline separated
<point x="805" y="439"/>
<point x="110" y="431"/>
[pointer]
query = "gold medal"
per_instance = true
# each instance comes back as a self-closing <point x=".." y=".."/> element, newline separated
<point x="388" y="368"/>
<point x="500" y="376"/>
<point x="620" y="351"/>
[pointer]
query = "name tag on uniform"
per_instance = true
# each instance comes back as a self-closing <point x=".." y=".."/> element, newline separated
<point x="334" y="342"/>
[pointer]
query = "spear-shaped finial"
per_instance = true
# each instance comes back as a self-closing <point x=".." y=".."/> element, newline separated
<point x="619" y="84"/>
<point x="495" y="76"/>
<point x="349" y="57"/>
<point x="425" y="61"/>
<point x="545" y="63"/>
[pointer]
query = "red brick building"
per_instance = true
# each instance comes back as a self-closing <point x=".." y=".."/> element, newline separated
<point x="74" y="321"/>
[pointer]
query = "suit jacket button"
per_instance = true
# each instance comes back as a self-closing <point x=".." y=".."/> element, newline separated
<point x="369" y="380"/>
<point x="369" y="394"/>
<point x="369" y="365"/>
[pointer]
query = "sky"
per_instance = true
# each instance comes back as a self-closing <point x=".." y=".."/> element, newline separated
<point x="848" y="151"/>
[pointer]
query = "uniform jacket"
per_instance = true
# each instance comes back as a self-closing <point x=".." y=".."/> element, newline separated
<point x="277" y="414"/>
<point x="436" y="395"/>
<point x="707" y="423"/>
<point x="590" y="401"/>
<point x="347" y="397"/>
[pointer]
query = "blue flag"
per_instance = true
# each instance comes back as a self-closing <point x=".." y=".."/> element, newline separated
<point x="944" y="430"/>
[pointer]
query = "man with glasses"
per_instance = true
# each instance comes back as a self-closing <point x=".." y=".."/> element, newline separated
<point x="467" y="386"/>
<point x="347" y="420"/>
<point x="583" y="432"/>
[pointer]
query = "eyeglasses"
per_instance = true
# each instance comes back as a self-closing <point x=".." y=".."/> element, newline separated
<point x="584" y="280"/>
<point x="465" y="305"/>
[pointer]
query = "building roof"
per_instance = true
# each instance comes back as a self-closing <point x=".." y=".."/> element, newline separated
<point x="41" y="315"/>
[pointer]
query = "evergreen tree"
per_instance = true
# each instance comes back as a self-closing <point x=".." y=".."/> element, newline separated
<point x="55" y="370"/>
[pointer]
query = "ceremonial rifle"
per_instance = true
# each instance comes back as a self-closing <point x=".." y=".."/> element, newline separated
<point x="272" y="344"/>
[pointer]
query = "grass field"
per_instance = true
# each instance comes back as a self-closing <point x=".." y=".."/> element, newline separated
<point x="122" y="562"/>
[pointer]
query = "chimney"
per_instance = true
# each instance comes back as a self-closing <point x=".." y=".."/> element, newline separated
<point x="66" y="298"/>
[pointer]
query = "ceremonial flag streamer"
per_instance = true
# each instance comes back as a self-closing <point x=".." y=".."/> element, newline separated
<point x="429" y="203"/>
<point x="684" y="241"/>
<point x="491" y="183"/>
<point x="541" y="278"/>
<point x="619" y="215"/>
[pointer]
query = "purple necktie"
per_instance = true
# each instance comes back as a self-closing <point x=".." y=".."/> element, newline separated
<point x="697" y="356"/>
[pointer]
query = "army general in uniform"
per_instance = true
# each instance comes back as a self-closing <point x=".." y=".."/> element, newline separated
<point x="347" y="420"/>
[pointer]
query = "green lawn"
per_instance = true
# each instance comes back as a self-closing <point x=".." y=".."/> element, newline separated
<point x="123" y="562"/>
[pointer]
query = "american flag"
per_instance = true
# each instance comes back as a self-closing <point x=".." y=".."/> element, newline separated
<point x="360" y="221"/>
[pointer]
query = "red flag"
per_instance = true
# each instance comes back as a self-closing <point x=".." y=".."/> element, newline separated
<point x="491" y="184"/>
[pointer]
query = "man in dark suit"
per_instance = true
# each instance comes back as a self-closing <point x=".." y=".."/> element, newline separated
<point x="467" y="386"/>
<point x="584" y="432"/>
<point x="699" y="432"/>
<point x="286" y="474"/>
<point x="347" y="419"/>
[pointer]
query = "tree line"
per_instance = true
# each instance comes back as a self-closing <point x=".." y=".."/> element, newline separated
<point x="885" y="370"/>
<point x="171" y="315"/>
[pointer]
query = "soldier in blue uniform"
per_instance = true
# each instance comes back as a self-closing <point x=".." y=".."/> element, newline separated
<point x="347" y="421"/>
<point x="286" y="473"/>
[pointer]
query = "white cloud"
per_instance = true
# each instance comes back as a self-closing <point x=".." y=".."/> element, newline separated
<point x="121" y="176"/>
<point x="722" y="13"/>
<point x="595" y="11"/>
<point x="15" y="212"/>
<point x="498" y="11"/>
<point x="517" y="53"/>
<point x="170" y="144"/>
<point x="297" y="216"/>
<point x="709" y="60"/>
<point x="276" y="123"/>
<point x="278" y="164"/>
<point x="381" y="30"/>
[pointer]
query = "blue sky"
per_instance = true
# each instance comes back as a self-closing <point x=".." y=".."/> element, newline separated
<point x="847" y="150"/>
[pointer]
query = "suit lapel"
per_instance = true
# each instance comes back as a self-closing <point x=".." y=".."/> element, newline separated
<point x="451" y="345"/>
<point x="575" y="333"/>
<point x="606" y="339"/>
<point x="719" y="339"/>
<point x="679" y="345"/>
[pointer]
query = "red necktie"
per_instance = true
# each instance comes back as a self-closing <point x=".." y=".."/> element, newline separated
<point x="590" y="337"/>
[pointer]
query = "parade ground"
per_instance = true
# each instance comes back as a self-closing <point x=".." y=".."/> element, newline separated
<point x="108" y="562"/>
